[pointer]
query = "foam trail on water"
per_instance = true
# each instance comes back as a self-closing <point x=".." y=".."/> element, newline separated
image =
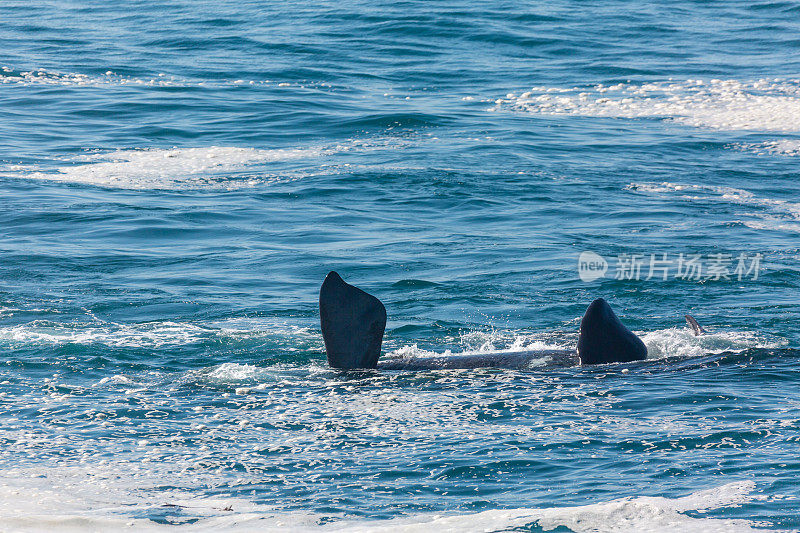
<point x="212" y="167"/>
<point x="34" y="77"/>
<point x="151" y="334"/>
<point x="175" y="168"/>
<point x="766" y="104"/>
<point x="768" y="213"/>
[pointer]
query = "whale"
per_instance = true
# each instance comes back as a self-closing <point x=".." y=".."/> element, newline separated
<point x="353" y="323"/>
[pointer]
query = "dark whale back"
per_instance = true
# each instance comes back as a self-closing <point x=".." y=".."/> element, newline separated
<point x="352" y="324"/>
<point x="604" y="339"/>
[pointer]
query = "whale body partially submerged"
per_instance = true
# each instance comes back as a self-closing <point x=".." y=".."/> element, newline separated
<point x="353" y="323"/>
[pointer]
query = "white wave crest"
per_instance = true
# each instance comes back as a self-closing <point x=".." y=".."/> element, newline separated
<point x="640" y="514"/>
<point x="110" y="499"/>
<point x="61" y="499"/>
<point x="148" y="334"/>
<point x="763" y="105"/>
<point x="785" y="147"/>
<point x="235" y="372"/>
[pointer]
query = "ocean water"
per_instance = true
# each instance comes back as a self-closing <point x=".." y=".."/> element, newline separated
<point x="177" y="178"/>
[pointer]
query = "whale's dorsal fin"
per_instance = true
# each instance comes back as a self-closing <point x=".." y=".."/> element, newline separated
<point x="604" y="339"/>
<point x="697" y="328"/>
<point x="352" y="324"/>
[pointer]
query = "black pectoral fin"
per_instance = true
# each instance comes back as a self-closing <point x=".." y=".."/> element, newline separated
<point x="353" y="323"/>
<point x="604" y="339"/>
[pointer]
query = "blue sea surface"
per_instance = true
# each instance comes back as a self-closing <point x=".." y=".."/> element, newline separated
<point x="177" y="178"/>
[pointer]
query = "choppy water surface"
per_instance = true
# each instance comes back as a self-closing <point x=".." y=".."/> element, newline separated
<point x="177" y="179"/>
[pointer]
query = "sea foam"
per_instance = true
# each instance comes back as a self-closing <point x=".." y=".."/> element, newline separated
<point x="767" y="104"/>
<point x="681" y="342"/>
<point x="191" y="168"/>
<point x="154" y="334"/>
<point x="639" y="514"/>
<point x="174" y="168"/>
<point x="81" y="499"/>
<point x="110" y="79"/>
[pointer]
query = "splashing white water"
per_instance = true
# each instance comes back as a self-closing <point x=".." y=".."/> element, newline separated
<point x="669" y="342"/>
<point x="681" y="342"/>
